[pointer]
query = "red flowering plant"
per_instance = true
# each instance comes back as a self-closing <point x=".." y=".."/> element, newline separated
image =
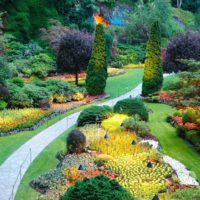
<point x="24" y="118"/>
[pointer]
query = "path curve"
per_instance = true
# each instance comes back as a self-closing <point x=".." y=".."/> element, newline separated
<point x="10" y="168"/>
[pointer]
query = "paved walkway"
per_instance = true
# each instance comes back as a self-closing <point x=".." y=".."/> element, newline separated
<point x="23" y="157"/>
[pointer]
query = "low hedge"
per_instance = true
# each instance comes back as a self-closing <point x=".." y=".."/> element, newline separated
<point x="88" y="115"/>
<point x="131" y="107"/>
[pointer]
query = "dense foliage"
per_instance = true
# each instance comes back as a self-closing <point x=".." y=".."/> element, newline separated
<point x="94" y="114"/>
<point x="99" y="187"/>
<point x="74" y="52"/>
<point x="97" y="67"/>
<point x="132" y="107"/>
<point x="181" y="46"/>
<point x="136" y="31"/>
<point x="76" y="141"/>
<point x="26" y="17"/>
<point x="153" y="72"/>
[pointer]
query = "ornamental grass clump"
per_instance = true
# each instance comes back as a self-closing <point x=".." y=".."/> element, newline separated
<point x="118" y="144"/>
<point x="92" y="131"/>
<point x="137" y="178"/>
<point x="113" y="123"/>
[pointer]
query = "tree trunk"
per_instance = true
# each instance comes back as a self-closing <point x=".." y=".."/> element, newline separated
<point x="77" y="78"/>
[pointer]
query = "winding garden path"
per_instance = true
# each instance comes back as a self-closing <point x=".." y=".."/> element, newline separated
<point x="23" y="157"/>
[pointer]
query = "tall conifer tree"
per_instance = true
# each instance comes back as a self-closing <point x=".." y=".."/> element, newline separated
<point x="153" y="72"/>
<point x="97" y="67"/>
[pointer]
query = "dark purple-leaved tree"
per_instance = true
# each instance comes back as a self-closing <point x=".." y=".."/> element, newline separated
<point x="181" y="46"/>
<point x="74" y="52"/>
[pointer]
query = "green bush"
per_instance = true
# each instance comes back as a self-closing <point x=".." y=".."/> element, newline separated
<point x="99" y="187"/>
<point x="140" y="127"/>
<point x="194" y="137"/>
<point x="18" y="81"/>
<point x="3" y="104"/>
<point x="76" y="141"/>
<point x="19" y="100"/>
<point x="88" y="115"/>
<point x="41" y="65"/>
<point x="190" y="116"/>
<point x="36" y="93"/>
<point x="181" y="131"/>
<point x="131" y="107"/>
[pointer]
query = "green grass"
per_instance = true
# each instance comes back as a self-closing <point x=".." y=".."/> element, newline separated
<point x="119" y="85"/>
<point x="11" y="143"/>
<point x="172" y="145"/>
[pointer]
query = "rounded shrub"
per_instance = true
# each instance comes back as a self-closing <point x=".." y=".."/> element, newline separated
<point x="18" y="81"/>
<point x="132" y="107"/>
<point x="190" y="116"/>
<point x="88" y="115"/>
<point x="99" y="187"/>
<point x="76" y="141"/>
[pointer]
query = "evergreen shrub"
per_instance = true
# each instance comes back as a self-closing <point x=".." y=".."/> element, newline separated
<point x="99" y="187"/>
<point x="76" y="141"/>
<point x="132" y="107"/>
<point x="153" y="73"/>
<point x="88" y="115"/>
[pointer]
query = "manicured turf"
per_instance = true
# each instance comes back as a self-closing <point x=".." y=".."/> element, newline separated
<point x="116" y="86"/>
<point x="172" y="145"/>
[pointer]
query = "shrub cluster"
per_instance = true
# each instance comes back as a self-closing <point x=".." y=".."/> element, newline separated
<point x="88" y="115"/>
<point x="131" y="107"/>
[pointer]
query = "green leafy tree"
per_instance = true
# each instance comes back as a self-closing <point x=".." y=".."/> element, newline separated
<point x="5" y="72"/>
<point x="136" y="31"/>
<point x="153" y="73"/>
<point x="97" y="67"/>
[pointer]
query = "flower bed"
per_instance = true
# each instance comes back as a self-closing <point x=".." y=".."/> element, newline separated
<point x="22" y="118"/>
<point x="187" y="123"/>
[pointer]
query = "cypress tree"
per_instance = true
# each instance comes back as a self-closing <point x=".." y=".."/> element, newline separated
<point x="153" y="72"/>
<point x="97" y="67"/>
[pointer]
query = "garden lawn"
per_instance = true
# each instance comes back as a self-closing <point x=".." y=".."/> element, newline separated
<point x="9" y="144"/>
<point x="172" y="145"/>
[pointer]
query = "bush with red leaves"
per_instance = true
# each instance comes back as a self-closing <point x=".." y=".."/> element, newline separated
<point x="181" y="46"/>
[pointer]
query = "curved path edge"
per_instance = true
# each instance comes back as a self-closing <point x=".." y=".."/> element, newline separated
<point x="22" y="158"/>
